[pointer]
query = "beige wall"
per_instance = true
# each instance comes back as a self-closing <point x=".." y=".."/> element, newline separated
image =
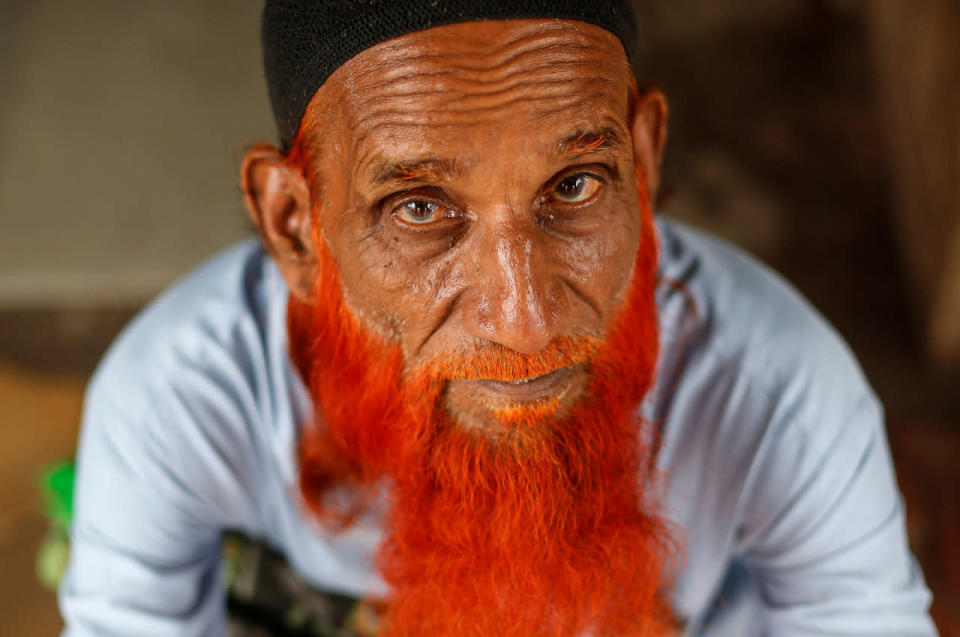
<point x="121" y="127"/>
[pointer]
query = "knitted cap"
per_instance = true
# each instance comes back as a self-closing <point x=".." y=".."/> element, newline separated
<point x="304" y="41"/>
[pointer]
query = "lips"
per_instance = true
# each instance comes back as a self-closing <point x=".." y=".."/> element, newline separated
<point x="554" y="384"/>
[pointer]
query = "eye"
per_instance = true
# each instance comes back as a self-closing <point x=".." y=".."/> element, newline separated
<point x="576" y="188"/>
<point x="422" y="212"/>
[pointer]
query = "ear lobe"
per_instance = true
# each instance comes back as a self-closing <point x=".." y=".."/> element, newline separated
<point x="649" y="128"/>
<point x="278" y="200"/>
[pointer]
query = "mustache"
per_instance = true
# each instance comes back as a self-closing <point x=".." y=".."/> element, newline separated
<point x="492" y="361"/>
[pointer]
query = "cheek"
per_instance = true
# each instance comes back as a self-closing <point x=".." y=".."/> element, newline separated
<point x="600" y="265"/>
<point x="398" y="293"/>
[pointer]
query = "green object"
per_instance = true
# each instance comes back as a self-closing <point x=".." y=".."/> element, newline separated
<point x="56" y="484"/>
<point x="56" y="487"/>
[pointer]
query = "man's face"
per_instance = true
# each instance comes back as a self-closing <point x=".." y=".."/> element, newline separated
<point x="481" y="260"/>
<point x="476" y="185"/>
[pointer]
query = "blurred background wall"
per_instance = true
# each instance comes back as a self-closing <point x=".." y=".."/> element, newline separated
<point x="122" y="122"/>
<point x="823" y="136"/>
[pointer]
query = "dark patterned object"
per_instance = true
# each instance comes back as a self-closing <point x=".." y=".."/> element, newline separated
<point x="267" y="599"/>
<point x="304" y="41"/>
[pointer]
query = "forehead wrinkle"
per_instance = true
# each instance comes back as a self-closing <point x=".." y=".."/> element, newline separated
<point x="560" y="81"/>
<point x="555" y="59"/>
<point x="451" y="111"/>
<point x="535" y="92"/>
<point x="397" y="55"/>
<point x="459" y="65"/>
<point x="435" y="107"/>
<point x="410" y="77"/>
<point x="375" y="131"/>
<point x="417" y="92"/>
<point x="369" y="144"/>
<point x="416" y="79"/>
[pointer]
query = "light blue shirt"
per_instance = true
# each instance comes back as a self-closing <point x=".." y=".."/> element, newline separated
<point x="779" y="472"/>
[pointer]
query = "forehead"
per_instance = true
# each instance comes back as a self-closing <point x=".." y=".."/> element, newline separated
<point x="468" y="87"/>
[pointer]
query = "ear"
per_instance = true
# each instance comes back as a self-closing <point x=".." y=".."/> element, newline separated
<point x="278" y="200"/>
<point x="649" y="128"/>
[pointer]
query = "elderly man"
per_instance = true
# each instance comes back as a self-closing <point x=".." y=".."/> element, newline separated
<point x="465" y="374"/>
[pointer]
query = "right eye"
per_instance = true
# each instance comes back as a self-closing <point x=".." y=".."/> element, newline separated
<point x="422" y="212"/>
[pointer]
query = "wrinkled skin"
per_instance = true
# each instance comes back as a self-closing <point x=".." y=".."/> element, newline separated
<point x="474" y="183"/>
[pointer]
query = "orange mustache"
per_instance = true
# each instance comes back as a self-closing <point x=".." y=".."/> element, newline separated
<point x="492" y="361"/>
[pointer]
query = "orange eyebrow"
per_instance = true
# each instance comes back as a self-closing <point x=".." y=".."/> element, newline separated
<point x="585" y="142"/>
<point x="430" y="170"/>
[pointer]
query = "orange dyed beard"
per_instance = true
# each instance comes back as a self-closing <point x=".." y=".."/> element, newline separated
<point x="548" y="529"/>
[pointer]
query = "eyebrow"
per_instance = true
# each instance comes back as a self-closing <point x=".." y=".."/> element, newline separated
<point x="431" y="169"/>
<point x="434" y="169"/>
<point x="590" y="141"/>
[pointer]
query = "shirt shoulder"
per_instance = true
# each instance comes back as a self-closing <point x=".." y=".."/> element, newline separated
<point x="206" y="308"/>
<point x="749" y="371"/>
<point x="199" y="382"/>
<point x="777" y="458"/>
<point x="735" y="314"/>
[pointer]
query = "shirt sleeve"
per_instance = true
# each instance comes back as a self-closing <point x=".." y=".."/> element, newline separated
<point x="823" y="529"/>
<point x="144" y="539"/>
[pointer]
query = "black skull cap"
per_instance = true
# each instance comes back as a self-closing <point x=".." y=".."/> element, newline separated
<point x="304" y="41"/>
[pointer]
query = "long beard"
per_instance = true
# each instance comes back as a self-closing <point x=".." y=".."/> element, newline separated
<point x="548" y="528"/>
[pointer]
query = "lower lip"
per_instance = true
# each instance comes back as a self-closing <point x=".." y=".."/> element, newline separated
<point x="546" y="386"/>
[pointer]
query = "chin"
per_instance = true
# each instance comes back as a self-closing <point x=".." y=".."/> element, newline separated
<point x="499" y="430"/>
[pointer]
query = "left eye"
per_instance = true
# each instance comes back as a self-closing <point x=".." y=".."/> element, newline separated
<point x="576" y="188"/>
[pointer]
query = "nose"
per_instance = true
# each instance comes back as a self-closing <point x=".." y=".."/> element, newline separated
<point x="514" y="300"/>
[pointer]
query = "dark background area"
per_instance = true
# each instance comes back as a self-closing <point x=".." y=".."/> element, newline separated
<point x="780" y="142"/>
